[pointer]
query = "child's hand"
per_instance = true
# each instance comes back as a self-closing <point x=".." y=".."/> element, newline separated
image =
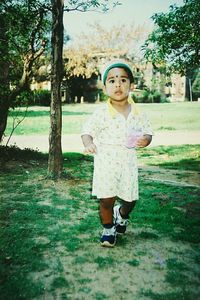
<point x="90" y="149"/>
<point x="144" y="141"/>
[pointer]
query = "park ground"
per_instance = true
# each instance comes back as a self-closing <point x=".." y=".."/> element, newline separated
<point x="50" y="229"/>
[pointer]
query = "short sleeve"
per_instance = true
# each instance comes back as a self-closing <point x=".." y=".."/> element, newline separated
<point x="146" y="125"/>
<point x="91" y="126"/>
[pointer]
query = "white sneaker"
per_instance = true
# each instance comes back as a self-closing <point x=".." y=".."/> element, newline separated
<point x="119" y="222"/>
<point x="108" y="238"/>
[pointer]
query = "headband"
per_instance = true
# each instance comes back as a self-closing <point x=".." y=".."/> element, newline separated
<point x="122" y="65"/>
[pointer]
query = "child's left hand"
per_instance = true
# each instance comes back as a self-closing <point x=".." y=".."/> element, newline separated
<point x="144" y="141"/>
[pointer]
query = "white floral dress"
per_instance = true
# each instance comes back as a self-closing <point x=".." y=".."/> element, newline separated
<point x="115" y="165"/>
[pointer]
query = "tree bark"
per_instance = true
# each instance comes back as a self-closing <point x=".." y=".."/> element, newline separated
<point x="55" y="165"/>
<point x="4" y="81"/>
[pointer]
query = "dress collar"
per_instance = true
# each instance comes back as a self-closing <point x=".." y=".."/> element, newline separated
<point x="134" y="108"/>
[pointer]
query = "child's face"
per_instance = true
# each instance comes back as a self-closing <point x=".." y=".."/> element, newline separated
<point x="117" y="85"/>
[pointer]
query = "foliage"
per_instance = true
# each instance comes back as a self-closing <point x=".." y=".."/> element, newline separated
<point x="83" y="6"/>
<point x="85" y="57"/>
<point x="23" y="39"/>
<point x="27" y="25"/>
<point x="87" y="88"/>
<point x="196" y="85"/>
<point x="175" y="39"/>
<point x="42" y="98"/>
<point x="148" y="96"/>
<point x="25" y="98"/>
<point x="32" y="98"/>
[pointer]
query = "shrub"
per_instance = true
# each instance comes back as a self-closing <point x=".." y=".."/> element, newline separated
<point x="147" y="96"/>
<point x="42" y="98"/>
<point x="25" y="98"/>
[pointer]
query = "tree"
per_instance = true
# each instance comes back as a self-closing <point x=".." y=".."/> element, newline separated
<point x="196" y="85"/>
<point x="23" y="39"/>
<point x="55" y="169"/>
<point x="175" y="41"/>
<point x="85" y="56"/>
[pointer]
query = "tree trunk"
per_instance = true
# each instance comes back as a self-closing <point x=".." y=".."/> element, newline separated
<point x="4" y="81"/>
<point x="55" y="166"/>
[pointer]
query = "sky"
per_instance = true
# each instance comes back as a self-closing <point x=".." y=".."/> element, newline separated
<point x="138" y="12"/>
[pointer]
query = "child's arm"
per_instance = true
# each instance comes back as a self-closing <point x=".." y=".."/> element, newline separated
<point x="144" y="141"/>
<point x="90" y="147"/>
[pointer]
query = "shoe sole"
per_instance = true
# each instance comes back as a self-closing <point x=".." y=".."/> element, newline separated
<point x="120" y="233"/>
<point x="107" y="244"/>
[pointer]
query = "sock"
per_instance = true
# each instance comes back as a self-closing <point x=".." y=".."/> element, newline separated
<point x="107" y="226"/>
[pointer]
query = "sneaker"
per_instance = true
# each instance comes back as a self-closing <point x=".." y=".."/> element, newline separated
<point x="108" y="238"/>
<point x="119" y="222"/>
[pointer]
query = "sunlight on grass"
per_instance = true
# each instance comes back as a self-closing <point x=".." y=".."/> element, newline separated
<point x="177" y="157"/>
<point x="164" y="116"/>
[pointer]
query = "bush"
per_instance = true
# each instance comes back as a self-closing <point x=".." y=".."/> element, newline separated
<point x="42" y="98"/>
<point x="25" y="98"/>
<point x="102" y="95"/>
<point x="147" y="96"/>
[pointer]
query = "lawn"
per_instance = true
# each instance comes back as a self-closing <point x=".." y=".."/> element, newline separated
<point x="49" y="233"/>
<point x="49" y="230"/>
<point x="165" y="116"/>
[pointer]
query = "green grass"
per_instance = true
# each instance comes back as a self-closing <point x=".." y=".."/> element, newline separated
<point x="177" y="157"/>
<point x="166" y="116"/>
<point x="49" y="234"/>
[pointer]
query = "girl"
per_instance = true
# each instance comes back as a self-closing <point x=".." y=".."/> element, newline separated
<point x="112" y="134"/>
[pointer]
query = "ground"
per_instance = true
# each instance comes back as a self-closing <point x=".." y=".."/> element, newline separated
<point x="50" y="229"/>
<point x="72" y="142"/>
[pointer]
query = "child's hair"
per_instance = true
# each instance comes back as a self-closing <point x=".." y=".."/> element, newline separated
<point x="116" y="64"/>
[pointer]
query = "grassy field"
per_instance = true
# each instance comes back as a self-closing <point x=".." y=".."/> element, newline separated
<point x="165" y="116"/>
<point x="49" y="233"/>
<point x="49" y="230"/>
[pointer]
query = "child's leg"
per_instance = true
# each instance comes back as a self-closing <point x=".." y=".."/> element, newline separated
<point x="121" y="215"/>
<point x="108" y="237"/>
<point x="126" y="208"/>
<point x="106" y="210"/>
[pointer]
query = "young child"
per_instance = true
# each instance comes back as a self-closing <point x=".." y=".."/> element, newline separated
<point x="112" y="134"/>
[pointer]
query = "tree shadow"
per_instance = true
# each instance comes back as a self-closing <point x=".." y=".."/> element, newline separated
<point x="192" y="164"/>
<point x="43" y="113"/>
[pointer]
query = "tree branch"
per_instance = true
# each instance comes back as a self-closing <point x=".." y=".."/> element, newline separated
<point x="14" y="126"/>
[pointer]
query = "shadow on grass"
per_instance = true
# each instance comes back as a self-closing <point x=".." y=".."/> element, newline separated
<point x="15" y="153"/>
<point x="185" y="157"/>
<point x="43" y="113"/>
<point x="183" y="164"/>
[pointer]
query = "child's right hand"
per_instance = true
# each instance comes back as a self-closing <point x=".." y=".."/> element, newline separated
<point x="90" y="149"/>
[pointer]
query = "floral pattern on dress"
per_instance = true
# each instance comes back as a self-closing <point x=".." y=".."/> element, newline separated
<point x="115" y="166"/>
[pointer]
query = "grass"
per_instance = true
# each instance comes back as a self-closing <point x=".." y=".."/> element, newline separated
<point x="172" y="157"/>
<point x="166" y="116"/>
<point x="49" y="233"/>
